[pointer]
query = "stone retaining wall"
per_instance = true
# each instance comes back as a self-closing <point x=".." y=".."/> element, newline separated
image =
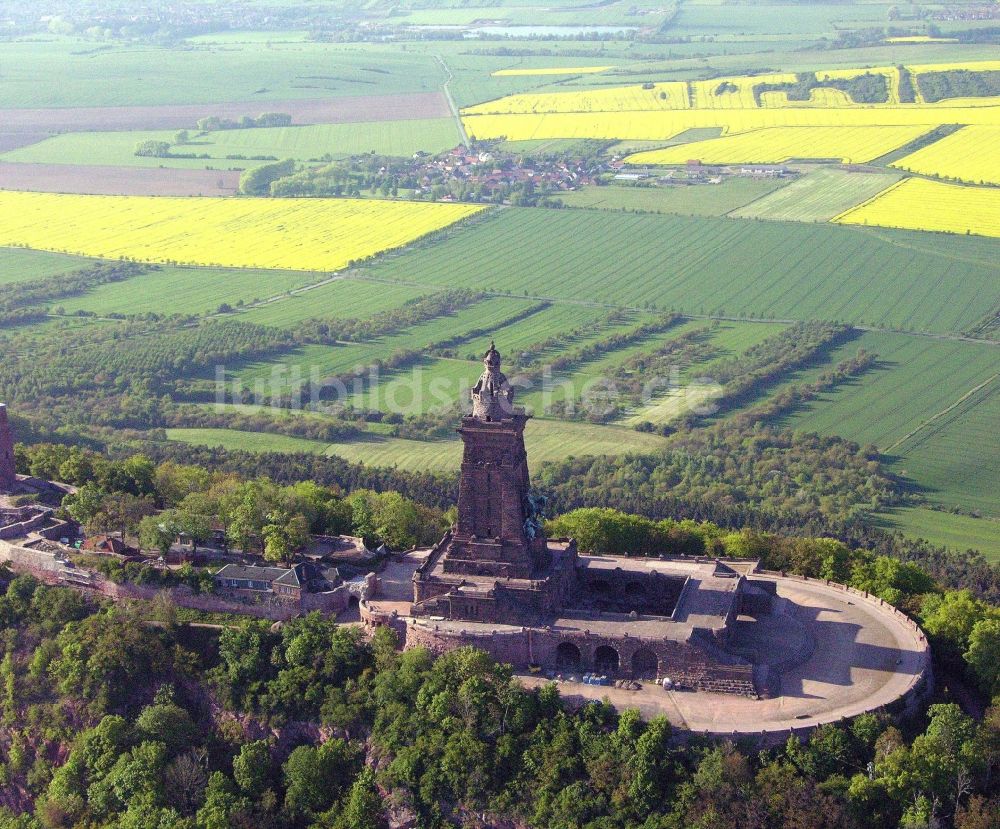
<point x="700" y="666"/>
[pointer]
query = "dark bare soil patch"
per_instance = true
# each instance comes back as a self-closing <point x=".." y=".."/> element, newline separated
<point x="15" y="140"/>
<point x="115" y="181"/>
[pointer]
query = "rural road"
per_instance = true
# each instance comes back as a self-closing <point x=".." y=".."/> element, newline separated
<point x="451" y="101"/>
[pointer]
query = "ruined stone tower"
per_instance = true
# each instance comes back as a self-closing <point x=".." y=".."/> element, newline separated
<point x="498" y="531"/>
<point x="8" y="477"/>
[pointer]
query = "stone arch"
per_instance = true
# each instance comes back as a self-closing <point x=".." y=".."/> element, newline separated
<point x="600" y="588"/>
<point x="645" y="665"/>
<point x="606" y="660"/>
<point x="568" y="657"/>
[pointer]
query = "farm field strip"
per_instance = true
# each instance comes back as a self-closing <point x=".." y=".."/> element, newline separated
<point x="930" y="406"/>
<point x="817" y="196"/>
<point x="546" y="440"/>
<point x="851" y="145"/>
<point x="722" y="93"/>
<point x="243" y="233"/>
<point x="770" y="270"/>
<point x="972" y="154"/>
<point x="920" y="204"/>
<point x="957" y="462"/>
<point x="695" y="200"/>
<point x="203" y="78"/>
<point x="662" y="125"/>
<point x="177" y="290"/>
<point x="20" y="265"/>
<point x="550" y="70"/>
<point x="332" y="360"/>
<point x="85" y="179"/>
<point x="914" y="379"/>
<point x="960" y="532"/>
<point x="220" y="147"/>
<point x="185" y="116"/>
<point x="342" y="298"/>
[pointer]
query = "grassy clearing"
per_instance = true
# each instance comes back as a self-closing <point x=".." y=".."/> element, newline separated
<point x="173" y="290"/>
<point x="23" y="265"/>
<point x="705" y="265"/>
<point x="546" y="440"/>
<point x="960" y="532"/>
<point x="693" y="200"/>
<point x="817" y="196"/>
<point x="303" y="143"/>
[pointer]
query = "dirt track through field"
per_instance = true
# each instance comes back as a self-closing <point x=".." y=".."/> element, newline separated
<point x="185" y="116"/>
<point x="117" y="181"/>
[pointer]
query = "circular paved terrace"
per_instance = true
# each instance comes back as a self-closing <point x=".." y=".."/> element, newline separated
<point x="832" y="653"/>
<point x="835" y="653"/>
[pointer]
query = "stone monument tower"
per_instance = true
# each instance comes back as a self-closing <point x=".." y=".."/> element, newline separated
<point x="498" y="531"/>
<point x="8" y="477"/>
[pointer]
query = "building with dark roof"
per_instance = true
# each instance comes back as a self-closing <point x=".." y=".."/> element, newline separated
<point x="285" y="583"/>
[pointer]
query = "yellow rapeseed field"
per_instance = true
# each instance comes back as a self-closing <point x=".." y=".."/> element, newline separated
<point x="971" y="154"/>
<point x="891" y="74"/>
<point x="920" y="39"/>
<point x="821" y="96"/>
<point x="969" y="65"/>
<point x="670" y="95"/>
<point x="732" y="93"/>
<point x="919" y="204"/>
<point x="288" y="234"/>
<point x="551" y="70"/>
<point x="655" y="126"/>
<point x="853" y="145"/>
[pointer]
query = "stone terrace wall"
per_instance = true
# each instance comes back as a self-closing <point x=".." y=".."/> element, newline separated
<point x="30" y="523"/>
<point x="691" y="665"/>
<point x="922" y="683"/>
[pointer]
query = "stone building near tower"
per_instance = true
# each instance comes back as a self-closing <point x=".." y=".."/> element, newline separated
<point x="495" y="581"/>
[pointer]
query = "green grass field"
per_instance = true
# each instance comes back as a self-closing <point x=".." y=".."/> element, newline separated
<point x="960" y="532"/>
<point x="693" y="200"/>
<point x="911" y="407"/>
<point x="324" y="360"/>
<point x="62" y="72"/>
<point x="23" y="265"/>
<point x="817" y="196"/>
<point x="341" y="299"/>
<point x="546" y="440"/>
<point x="722" y="266"/>
<point x="955" y="458"/>
<point x="301" y="143"/>
<point x="173" y="290"/>
<point x="776" y="19"/>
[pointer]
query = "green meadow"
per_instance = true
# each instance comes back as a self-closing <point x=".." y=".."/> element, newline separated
<point x="717" y="266"/>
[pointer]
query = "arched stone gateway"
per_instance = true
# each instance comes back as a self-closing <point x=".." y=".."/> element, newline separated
<point x="606" y="660"/>
<point x="644" y="664"/>
<point x="568" y="657"/>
